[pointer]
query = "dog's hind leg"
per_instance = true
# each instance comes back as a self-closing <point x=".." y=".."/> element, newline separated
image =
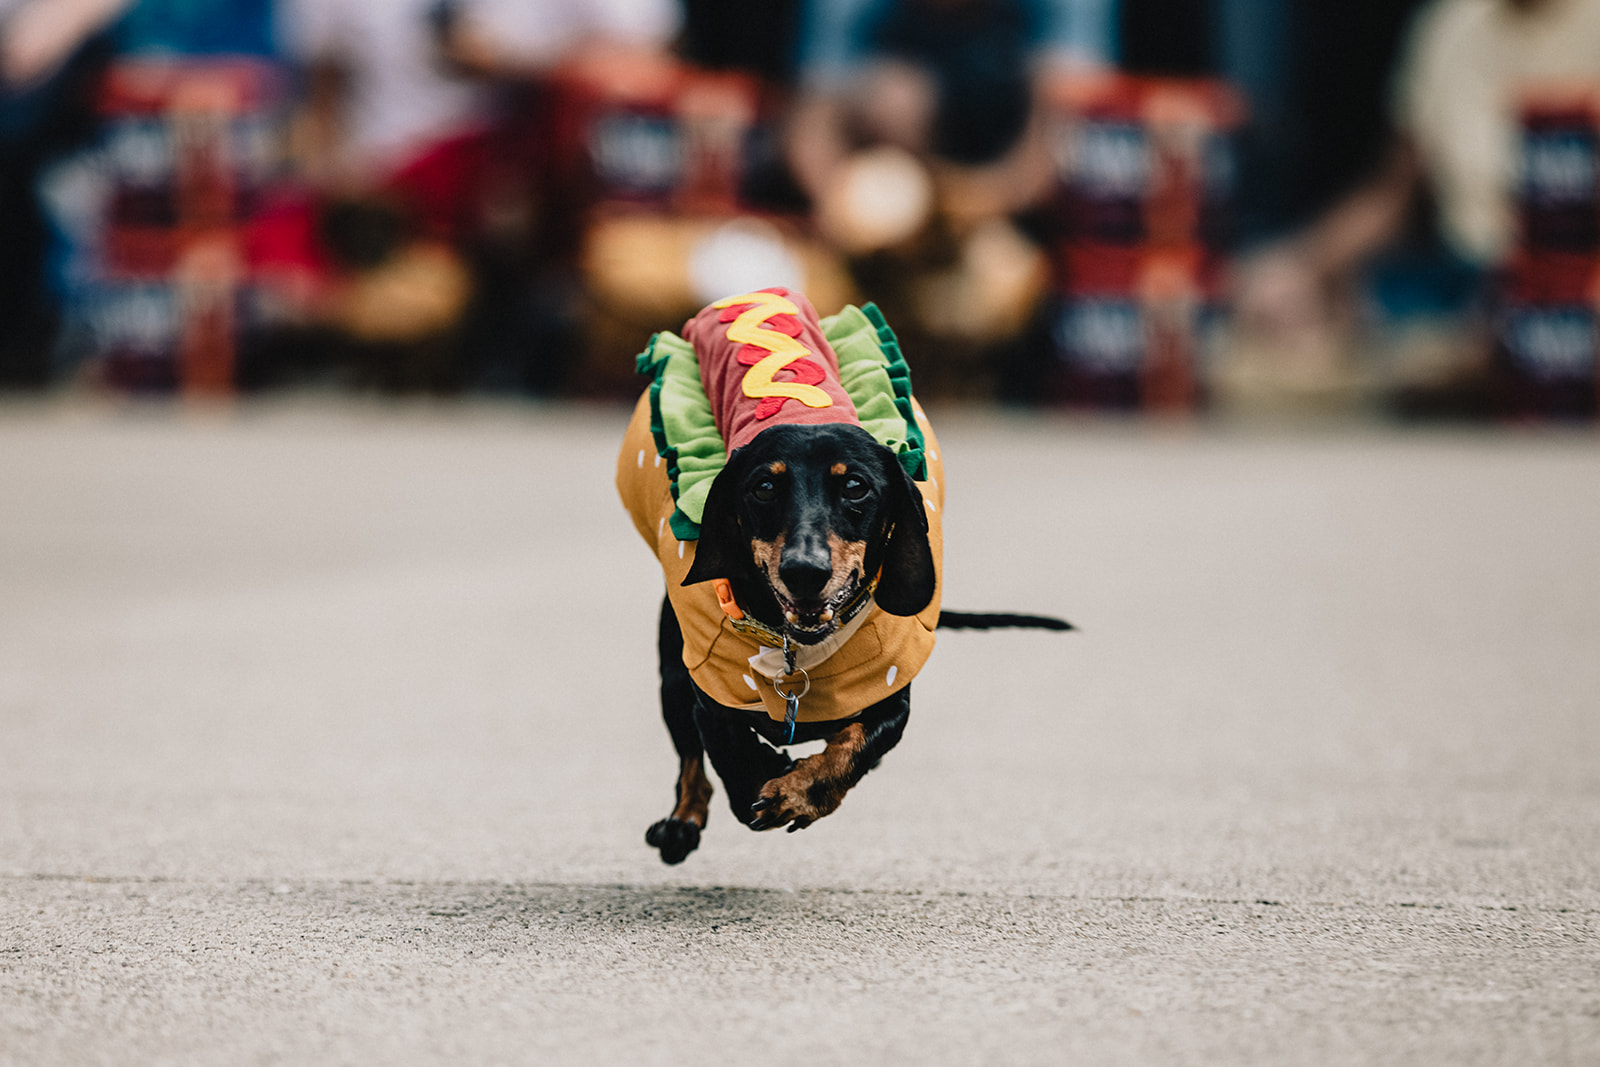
<point x="679" y="833"/>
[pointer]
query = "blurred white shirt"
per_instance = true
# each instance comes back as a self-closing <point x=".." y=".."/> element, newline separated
<point x="540" y="32"/>
<point x="401" y="98"/>
<point x="1457" y="95"/>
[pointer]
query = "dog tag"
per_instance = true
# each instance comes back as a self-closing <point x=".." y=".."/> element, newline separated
<point x="791" y="711"/>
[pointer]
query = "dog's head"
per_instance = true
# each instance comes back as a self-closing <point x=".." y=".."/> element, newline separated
<point x="802" y="517"/>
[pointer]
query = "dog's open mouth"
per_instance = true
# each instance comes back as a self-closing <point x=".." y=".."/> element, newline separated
<point x="818" y="618"/>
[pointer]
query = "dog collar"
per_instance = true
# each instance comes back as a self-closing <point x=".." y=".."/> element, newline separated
<point x="783" y="660"/>
<point x="755" y="628"/>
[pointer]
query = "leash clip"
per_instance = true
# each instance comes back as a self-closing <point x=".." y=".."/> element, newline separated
<point x="791" y="699"/>
<point x="790" y="712"/>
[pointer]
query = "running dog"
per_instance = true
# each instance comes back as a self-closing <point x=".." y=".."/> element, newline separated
<point x="790" y="487"/>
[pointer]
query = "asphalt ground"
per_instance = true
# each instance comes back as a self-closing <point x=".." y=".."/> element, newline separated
<point x="328" y="735"/>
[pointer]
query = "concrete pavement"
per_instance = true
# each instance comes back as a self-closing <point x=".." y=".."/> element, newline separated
<point x="327" y="736"/>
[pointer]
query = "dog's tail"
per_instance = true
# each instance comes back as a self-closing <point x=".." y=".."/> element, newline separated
<point x="973" y="620"/>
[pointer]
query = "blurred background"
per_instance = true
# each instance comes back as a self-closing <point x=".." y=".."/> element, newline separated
<point x="1376" y="206"/>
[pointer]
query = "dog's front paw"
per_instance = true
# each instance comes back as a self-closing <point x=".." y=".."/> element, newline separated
<point x="676" y="838"/>
<point x="797" y="800"/>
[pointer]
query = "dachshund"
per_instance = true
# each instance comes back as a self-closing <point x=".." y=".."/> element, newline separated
<point x="809" y="596"/>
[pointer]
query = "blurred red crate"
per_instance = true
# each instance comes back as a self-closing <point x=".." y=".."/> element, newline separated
<point x="1546" y="361"/>
<point x="653" y="133"/>
<point x="192" y="149"/>
<point x="1143" y="202"/>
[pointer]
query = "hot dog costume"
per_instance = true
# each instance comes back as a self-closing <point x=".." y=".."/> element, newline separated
<point x="743" y="364"/>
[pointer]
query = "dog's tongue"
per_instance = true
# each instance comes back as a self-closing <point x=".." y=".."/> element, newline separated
<point x="764" y="361"/>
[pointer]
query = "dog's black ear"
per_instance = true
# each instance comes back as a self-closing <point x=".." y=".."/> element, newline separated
<point x="721" y="551"/>
<point x="908" y="581"/>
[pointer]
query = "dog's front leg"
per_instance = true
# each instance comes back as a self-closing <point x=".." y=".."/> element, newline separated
<point x="817" y="784"/>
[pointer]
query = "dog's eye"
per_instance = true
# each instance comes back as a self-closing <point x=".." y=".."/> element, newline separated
<point x="765" y="491"/>
<point x="854" y="488"/>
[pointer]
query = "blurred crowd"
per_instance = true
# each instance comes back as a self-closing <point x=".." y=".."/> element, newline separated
<point x="1131" y="204"/>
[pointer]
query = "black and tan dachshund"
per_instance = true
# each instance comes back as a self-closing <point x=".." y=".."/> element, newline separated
<point x="803" y="597"/>
<point x="795" y="523"/>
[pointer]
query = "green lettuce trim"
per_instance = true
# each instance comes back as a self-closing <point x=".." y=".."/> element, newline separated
<point x="872" y="370"/>
<point x="681" y="423"/>
<point x="877" y="379"/>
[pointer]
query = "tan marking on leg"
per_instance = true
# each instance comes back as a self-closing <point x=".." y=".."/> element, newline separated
<point x="818" y="783"/>
<point x="694" y="792"/>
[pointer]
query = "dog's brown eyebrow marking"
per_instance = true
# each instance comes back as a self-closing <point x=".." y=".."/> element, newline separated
<point x="777" y="466"/>
<point x="837" y="468"/>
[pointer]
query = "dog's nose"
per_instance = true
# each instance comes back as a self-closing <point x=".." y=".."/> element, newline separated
<point x="806" y="567"/>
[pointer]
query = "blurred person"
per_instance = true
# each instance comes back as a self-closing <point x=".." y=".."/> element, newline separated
<point x="762" y="42"/>
<point x="1341" y="62"/>
<point x="51" y="52"/>
<point x="952" y="82"/>
<point x="666" y="190"/>
<point x="1314" y="77"/>
<point x="532" y="317"/>
<point x="529" y="38"/>
<point x="382" y="112"/>
<point x="918" y="135"/>
<point x="390" y="142"/>
<point x="1454" y="113"/>
<point x="405" y="134"/>
<point x="492" y="51"/>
